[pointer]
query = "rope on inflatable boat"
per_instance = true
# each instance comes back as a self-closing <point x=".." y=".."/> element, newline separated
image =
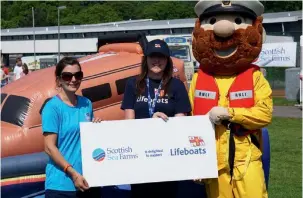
<point x="23" y="179"/>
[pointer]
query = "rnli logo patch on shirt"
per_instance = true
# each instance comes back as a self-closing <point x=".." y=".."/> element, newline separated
<point x="205" y="94"/>
<point x="161" y="92"/>
<point x="241" y="95"/>
<point x="87" y="116"/>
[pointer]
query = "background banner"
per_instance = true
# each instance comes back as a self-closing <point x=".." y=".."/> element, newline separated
<point x="278" y="55"/>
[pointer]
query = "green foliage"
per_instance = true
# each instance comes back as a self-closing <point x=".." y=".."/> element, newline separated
<point x="282" y="6"/>
<point x="167" y="10"/>
<point x="276" y="77"/>
<point x="16" y="14"/>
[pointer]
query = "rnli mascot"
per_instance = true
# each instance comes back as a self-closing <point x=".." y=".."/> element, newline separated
<point x="227" y="38"/>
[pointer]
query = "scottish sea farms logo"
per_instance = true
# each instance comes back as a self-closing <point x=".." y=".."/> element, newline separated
<point x="122" y="153"/>
<point x="98" y="155"/>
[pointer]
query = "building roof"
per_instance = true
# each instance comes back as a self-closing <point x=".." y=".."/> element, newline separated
<point x="143" y="24"/>
<point x="279" y="17"/>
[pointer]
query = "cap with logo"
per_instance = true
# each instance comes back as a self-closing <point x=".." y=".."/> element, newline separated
<point x="251" y="9"/>
<point x="157" y="46"/>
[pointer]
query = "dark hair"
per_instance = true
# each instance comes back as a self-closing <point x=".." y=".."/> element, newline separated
<point x="63" y="63"/>
<point x="18" y="59"/>
<point x="25" y="68"/>
<point x="167" y="75"/>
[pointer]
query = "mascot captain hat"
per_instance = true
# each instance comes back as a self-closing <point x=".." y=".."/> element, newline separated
<point x="207" y="8"/>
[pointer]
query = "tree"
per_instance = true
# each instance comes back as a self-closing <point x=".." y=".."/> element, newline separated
<point x="282" y="6"/>
<point x="16" y="14"/>
<point x="168" y="10"/>
<point x="98" y="13"/>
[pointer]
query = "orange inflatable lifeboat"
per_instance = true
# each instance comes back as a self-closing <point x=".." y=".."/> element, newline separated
<point x="105" y="75"/>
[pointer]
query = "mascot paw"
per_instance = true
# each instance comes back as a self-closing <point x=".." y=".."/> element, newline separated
<point x="217" y="114"/>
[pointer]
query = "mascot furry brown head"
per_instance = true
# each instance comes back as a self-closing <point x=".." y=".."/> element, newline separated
<point x="228" y="35"/>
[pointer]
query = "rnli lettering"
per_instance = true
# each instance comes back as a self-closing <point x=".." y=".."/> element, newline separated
<point x="241" y="95"/>
<point x="205" y="94"/>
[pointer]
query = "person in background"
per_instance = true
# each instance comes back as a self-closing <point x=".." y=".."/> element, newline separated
<point x="25" y="70"/>
<point x="61" y="119"/>
<point x="3" y="77"/>
<point x="18" y="69"/>
<point x="155" y="94"/>
<point x="4" y="68"/>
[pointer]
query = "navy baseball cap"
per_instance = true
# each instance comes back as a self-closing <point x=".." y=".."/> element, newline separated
<point x="157" y="46"/>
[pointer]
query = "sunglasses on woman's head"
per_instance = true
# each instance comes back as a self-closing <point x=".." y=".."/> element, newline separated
<point x="67" y="76"/>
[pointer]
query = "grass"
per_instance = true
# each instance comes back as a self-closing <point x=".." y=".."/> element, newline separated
<point x="283" y="102"/>
<point x="286" y="158"/>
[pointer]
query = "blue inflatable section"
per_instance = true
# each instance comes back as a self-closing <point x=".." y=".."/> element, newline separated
<point x="187" y="189"/>
<point x="17" y="191"/>
<point x="23" y="165"/>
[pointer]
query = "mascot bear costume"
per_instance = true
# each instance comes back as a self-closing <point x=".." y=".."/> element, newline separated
<point x="227" y="38"/>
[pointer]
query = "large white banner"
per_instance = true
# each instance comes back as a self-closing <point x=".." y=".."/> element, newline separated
<point x="148" y="150"/>
<point x="278" y="55"/>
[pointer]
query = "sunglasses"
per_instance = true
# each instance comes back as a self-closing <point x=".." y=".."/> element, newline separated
<point x="67" y="76"/>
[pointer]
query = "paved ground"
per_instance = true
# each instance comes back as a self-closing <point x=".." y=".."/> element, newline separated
<point x="287" y="111"/>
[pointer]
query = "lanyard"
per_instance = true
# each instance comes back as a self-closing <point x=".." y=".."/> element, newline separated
<point x="152" y="103"/>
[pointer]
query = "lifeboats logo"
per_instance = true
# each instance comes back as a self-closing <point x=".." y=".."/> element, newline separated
<point x="196" y="147"/>
<point x="196" y="141"/>
<point x="99" y="155"/>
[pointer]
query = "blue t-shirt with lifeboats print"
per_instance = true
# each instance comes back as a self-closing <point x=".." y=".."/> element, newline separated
<point x="64" y="120"/>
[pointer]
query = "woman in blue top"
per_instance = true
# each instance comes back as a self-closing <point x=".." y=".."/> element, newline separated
<point x="155" y="94"/>
<point x="61" y="116"/>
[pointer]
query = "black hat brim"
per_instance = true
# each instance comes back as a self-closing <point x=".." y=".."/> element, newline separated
<point x="148" y="53"/>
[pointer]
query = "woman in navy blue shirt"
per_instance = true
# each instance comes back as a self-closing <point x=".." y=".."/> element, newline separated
<point x="155" y="94"/>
